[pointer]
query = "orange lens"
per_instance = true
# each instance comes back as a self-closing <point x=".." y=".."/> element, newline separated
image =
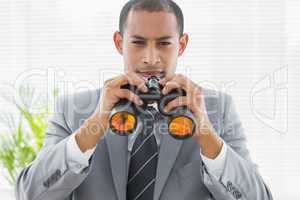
<point x="123" y="122"/>
<point x="181" y="127"/>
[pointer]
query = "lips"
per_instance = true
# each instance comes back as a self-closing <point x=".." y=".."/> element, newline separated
<point x="148" y="74"/>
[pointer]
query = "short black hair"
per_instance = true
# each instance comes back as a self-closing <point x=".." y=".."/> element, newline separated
<point x="151" y="6"/>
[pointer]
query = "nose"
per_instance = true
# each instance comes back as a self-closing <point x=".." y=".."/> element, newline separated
<point x="151" y="57"/>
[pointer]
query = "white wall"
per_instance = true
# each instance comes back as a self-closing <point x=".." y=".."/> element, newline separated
<point x="248" y="47"/>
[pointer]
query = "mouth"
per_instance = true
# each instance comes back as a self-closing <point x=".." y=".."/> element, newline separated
<point x="148" y="74"/>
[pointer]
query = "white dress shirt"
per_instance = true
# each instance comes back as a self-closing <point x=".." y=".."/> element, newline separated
<point x="77" y="160"/>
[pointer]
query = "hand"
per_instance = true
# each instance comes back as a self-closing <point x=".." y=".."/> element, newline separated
<point x="96" y="125"/>
<point x="112" y="93"/>
<point x="194" y="100"/>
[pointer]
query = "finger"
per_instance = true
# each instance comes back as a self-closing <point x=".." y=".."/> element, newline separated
<point x="137" y="80"/>
<point x="177" y="102"/>
<point x="166" y="79"/>
<point x="127" y="94"/>
<point x="169" y="86"/>
<point x="131" y="78"/>
<point x="182" y="82"/>
<point x="113" y="82"/>
<point x="108" y="81"/>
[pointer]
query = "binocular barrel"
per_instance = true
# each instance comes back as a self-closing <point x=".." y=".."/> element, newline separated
<point x="182" y="124"/>
<point x="122" y="119"/>
<point x="125" y="116"/>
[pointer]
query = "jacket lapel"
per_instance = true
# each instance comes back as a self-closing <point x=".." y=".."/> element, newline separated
<point x="168" y="152"/>
<point x="117" y="149"/>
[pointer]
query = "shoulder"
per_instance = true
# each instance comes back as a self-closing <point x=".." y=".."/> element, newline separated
<point x="215" y="98"/>
<point x="217" y="105"/>
<point x="78" y="106"/>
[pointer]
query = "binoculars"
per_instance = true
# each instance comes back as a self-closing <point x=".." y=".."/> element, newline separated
<point x="125" y="117"/>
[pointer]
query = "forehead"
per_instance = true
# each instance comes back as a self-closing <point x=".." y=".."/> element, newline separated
<point x="151" y="25"/>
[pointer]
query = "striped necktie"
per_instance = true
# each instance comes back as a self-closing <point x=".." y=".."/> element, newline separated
<point x="143" y="161"/>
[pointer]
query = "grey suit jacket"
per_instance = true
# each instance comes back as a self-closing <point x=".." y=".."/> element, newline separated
<point x="181" y="174"/>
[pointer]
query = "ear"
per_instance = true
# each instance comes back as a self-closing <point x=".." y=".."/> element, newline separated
<point x="183" y="41"/>
<point x="118" y="42"/>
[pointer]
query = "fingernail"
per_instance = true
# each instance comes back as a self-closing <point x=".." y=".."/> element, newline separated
<point x="162" y="81"/>
<point x="145" y="80"/>
<point x="140" y="102"/>
<point x="145" y="89"/>
<point x="198" y="96"/>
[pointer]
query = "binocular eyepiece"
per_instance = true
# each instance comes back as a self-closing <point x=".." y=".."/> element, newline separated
<point x="125" y="116"/>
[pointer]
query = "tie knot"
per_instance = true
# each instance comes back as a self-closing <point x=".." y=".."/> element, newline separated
<point x="151" y="108"/>
<point x="149" y="119"/>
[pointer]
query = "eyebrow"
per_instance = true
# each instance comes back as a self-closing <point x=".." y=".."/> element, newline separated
<point x="142" y="38"/>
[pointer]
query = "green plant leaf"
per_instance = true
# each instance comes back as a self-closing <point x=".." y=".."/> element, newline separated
<point x="24" y="139"/>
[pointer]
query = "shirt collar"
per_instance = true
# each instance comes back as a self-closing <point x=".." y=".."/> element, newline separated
<point x="132" y="137"/>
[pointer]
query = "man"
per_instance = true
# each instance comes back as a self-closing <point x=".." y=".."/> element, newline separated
<point x="83" y="160"/>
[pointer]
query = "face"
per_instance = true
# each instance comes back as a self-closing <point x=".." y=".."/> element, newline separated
<point x="150" y="44"/>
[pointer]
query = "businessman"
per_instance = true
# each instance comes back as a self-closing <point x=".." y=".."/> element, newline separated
<point x="82" y="159"/>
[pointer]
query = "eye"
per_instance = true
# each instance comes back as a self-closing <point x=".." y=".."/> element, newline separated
<point x="164" y="43"/>
<point x="138" y="42"/>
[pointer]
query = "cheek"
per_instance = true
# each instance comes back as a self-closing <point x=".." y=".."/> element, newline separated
<point x="133" y="53"/>
<point x="168" y="55"/>
<point x="131" y="59"/>
<point x="171" y="59"/>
